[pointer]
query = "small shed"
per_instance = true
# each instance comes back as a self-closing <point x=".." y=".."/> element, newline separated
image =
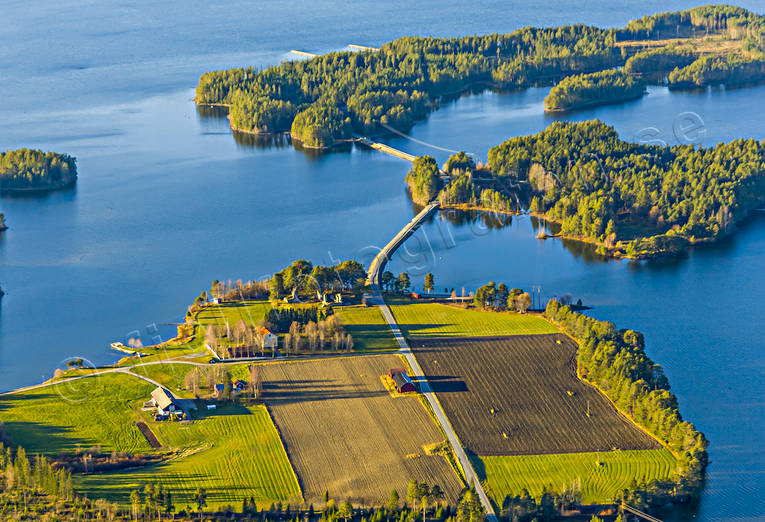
<point x="164" y="401"/>
<point x="239" y="385"/>
<point x="402" y="381"/>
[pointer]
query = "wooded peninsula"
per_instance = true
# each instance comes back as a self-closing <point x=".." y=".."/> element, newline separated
<point x="322" y="101"/>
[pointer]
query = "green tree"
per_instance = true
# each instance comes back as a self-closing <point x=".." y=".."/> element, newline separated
<point x="200" y="499"/>
<point x="502" y="294"/>
<point x="135" y="503"/>
<point x="412" y="493"/>
<point x="169" y="506"/>
<point x="387" y="280"/>
<point x="276" y="286"/>
<point x="393" y="501"/>
<point x="345" y="511"/>
<point x="469" y="508"/>
<point x="403" y="284"/>
<point x="429" y="282"/>
<point x="424" y="180"/>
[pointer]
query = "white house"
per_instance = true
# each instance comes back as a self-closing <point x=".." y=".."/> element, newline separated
<point x="270" y="339"/>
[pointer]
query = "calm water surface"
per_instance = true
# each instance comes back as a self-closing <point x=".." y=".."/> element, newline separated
<point x="167" y="200"/>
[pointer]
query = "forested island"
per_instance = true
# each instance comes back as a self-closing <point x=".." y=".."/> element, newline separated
<point x="30" y="170"/>
<point x="3" y="226"/>
<point x="322" y="101"/>
<point x="630" y="199"/>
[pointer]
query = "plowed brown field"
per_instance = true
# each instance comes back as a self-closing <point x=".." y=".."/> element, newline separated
<point x="519" y="395"/>
<point x="344" y="433"/>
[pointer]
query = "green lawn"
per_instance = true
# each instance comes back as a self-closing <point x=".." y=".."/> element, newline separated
<point x="600" y="476"/>
<point x="251" y="312"/>
<point x="233" y="452"/>
<point x="368" y="328"/>
<point x="97" y="410"/>
<point x="170" y="374"/>
<point x="441" y="320"/>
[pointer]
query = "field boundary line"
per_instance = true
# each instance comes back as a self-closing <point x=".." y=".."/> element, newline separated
<point x="286" y="453"/>
<point x="470" y="474"/>
<point x="604" y="394"/>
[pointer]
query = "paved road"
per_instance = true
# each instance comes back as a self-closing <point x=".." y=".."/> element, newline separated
<point x="459" y="451"/>
<point x="121" y="369"/>
<point x="384" y="255"/>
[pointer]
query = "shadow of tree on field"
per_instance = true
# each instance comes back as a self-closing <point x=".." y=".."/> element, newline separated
<point x="478" y="465"/>
<point x="43" y="438"/>
<point x="280" y="392"/>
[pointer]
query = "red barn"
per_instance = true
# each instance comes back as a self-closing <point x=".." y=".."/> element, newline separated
<point x="401" y="380"/>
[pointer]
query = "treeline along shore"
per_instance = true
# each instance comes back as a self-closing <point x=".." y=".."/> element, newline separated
<point x="322" y="101"/>
<point x="35" y="170"/>
<point x="630" y="200"/>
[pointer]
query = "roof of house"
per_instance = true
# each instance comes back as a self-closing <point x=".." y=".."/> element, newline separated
<point x="239" y="383"/>
<point x="162" y="397"/>
<point x="265" y="331"/>
<point x="401" y="379"/>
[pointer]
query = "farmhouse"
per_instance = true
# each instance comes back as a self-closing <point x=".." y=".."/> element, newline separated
<point x="164" y="401"/>
<point x="401" y="380"/>
<point x="270" y="339"/>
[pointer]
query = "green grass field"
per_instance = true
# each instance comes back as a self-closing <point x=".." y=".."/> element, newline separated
<point x="87" y="412"/>
<point x="233" y="452"/>
<point x="368" y="328"/>
<point x="600" y="476"/>
<point x="169" y="374"/>
<point x="441" y="320"/>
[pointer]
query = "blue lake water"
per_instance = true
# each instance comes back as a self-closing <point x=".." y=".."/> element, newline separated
<point x="168" y="200"/>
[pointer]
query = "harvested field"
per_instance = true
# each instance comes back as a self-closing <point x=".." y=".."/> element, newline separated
<point x="520" y="395"/>
<point x="345" y="434"/>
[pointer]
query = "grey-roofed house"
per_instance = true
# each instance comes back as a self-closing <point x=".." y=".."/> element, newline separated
<point x="164" y="401"/>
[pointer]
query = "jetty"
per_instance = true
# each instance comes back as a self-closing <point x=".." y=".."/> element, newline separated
<point x="304" y="53"/>
<point x="118" y="346"/>
<point x="363" y="47"/>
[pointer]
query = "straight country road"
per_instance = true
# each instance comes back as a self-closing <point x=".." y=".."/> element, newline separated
<point x="467" y="467"/>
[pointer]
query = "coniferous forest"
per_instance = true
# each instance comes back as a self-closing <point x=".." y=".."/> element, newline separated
<point x="632" y="199"/>
<point x="27" y="169"/>
<point x="324" y="100"/>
